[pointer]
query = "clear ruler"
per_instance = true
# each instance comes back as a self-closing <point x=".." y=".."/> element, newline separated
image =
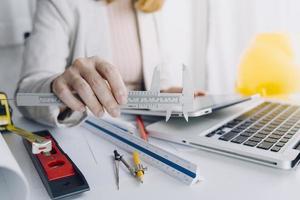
<point x="177" y="167"/>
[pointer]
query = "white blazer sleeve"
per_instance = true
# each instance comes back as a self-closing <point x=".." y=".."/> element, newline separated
<point x="45" y="56"/>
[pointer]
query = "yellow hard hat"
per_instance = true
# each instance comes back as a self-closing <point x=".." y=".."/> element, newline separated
<point x="268" y="67"/>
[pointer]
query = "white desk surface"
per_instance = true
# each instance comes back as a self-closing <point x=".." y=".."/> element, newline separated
<point x="224" y="177"/>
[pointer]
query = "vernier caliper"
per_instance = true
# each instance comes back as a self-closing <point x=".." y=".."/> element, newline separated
<point x="152" y="99"/>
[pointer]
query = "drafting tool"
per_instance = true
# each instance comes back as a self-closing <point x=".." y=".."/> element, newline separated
<point x="152" y="99"/>
<point x="39" y="144"/>
<point x="139" y="168"/>
<point x="118" y="158"/>
<point x="172" y="164"/>
<point x="59" y="174"/>
<point x="37" y="99"/>
<point x="141" y="127"/>
<point x="155" y="100"/>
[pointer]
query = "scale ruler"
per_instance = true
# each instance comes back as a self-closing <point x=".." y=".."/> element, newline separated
<point x="177" y="167"/>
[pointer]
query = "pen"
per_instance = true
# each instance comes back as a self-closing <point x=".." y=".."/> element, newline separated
<point x="141" y="127"/>
<point x="139" y="169"/>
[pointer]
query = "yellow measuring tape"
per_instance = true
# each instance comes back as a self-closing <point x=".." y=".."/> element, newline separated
<point x="39" y="144"/>
<point x="25" y="134"/>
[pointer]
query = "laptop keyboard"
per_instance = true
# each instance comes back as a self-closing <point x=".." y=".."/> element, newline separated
<point x="269" y="126"/>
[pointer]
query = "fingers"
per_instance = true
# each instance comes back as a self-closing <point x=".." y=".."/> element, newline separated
<point x="98" y="84"/>
<point x="114" y="79"/>
<point x="63" y="92"/>
<point x="102" y="91"/>
<point x="173" y="90"/>
<point x="199" y="93"/>
<point x="86" y="94"/>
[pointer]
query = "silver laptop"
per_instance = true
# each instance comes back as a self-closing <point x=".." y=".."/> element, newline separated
<point x="259" y="131"/>
<point x="202" y="105"/>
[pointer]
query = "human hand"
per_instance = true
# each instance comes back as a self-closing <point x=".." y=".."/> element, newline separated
<point x="197" y="93"/>
<point x="98" y="84"/>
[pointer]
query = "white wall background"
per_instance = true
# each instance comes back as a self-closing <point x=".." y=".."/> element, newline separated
<point x="184" y="23"/>
<point x="178" y="26"/>
<point x="15" y="20"/>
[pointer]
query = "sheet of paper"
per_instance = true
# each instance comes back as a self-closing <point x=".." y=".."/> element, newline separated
<point x="13" y="184"/>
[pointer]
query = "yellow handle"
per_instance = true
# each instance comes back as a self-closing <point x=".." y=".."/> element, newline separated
<point x="136" y="158"/>
<point x="140" y="174"/>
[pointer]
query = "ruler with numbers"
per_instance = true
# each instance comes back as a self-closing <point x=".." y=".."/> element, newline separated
<point x="175" y="166"/>
<point x="152" y="99"/>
